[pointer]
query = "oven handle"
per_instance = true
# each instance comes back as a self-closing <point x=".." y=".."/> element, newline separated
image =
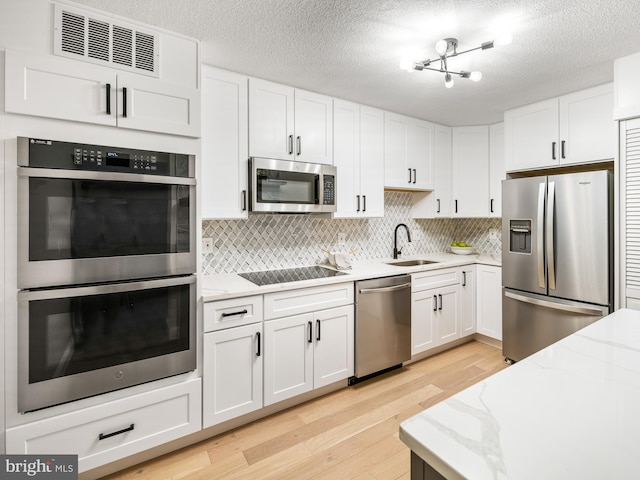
<point x="105" y="176"/>
<point x="29" y="295"/>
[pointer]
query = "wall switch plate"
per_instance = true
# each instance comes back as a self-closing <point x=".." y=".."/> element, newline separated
<point x="207" y="245"/>
<point x="342" y="239"/>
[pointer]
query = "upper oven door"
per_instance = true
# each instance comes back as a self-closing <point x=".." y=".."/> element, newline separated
<point x="77" y="227"/>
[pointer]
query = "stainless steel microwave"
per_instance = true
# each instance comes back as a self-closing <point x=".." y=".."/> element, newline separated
<point x="281" y="186"/>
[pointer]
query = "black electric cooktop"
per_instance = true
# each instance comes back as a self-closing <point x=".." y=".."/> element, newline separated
<point x="289" y="275"/>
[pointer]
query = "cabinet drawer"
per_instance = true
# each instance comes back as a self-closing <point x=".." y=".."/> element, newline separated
<point x="305" y="300"/>
<point x="232" y="313"/>
<point x="434" y="279"/>
<point x="109" y="432"/>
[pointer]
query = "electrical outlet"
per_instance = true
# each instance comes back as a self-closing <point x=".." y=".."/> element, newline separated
<point x="342" y="239"/>
<point x="207" y="245"/>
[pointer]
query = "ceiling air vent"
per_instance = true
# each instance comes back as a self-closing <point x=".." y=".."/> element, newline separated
<point x="97" y="39"/>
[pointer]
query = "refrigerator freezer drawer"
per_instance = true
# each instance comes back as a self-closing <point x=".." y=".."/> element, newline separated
<point x="532" y="322"/>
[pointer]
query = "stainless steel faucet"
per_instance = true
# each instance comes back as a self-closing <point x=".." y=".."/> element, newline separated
<point x="397" y="252"/>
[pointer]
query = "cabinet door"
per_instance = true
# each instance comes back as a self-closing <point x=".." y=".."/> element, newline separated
<point x="270" y="120"/>
<point x="313" y="128"/>
<point x="145" y="103"/>
<point x="424" y="308"/>
<point x="531" y="136"/>
<point x="442" y="171"/>
<point x="288" y="357"/>
<point x="470" y="159"/>
<point x="489" y="298"/>
<point x="420" y="154"/>
<point x="468" y="301"/>
<point x="448" y="316"/>
<point x="371" y="162"/>
<point x="334" y="348"/>
<point x="396" y="172"/>
<point x="496" y="168"/>
<point x="587" y="129"/>
<point x="54" y="87"/>
<point x="225" y="144"/>
<point x="232" y="373"/>
<point x="346" y="158"/>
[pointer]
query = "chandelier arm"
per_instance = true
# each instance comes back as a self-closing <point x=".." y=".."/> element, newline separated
<point x="442" y="71"/>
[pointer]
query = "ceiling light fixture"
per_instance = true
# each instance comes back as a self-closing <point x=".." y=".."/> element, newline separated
<point x="448" y="48"/>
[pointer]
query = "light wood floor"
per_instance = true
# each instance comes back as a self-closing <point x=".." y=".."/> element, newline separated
<point x="348" y="434"/>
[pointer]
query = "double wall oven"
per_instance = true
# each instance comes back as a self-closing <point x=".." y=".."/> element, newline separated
<point x="106" y="269"/>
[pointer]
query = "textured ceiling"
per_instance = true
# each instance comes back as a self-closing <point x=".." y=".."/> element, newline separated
<point x="351" y="48"/>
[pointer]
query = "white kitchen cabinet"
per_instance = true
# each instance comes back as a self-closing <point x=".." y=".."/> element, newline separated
<point x="358" y="153"/>
<point x="307" y="351"/>
<point x="56" y="87"/>
<point x="572" y="129"/>
<point x="626" y="95"/>
<point x="437" y="204"/>
<point x="225" y="144"/>
<point x="470" y="171"/>
<point x="111" y="431"/>
<point x="435" y="308"/>
<point x="496" y="168"/>
<point x="467" y="300"/>
<point x="408" y="153"/>
<point x="489" y="301"/>
<point x="232" y="373"/>
<point x="289" y="124"/>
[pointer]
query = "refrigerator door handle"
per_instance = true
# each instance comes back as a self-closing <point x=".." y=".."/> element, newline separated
<point x="556" y="306"/>
<point x="551" y="263"/>
<point x="542" y="281"/>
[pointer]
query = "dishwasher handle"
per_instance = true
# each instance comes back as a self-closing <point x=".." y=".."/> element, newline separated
<point x="394" y="288"/>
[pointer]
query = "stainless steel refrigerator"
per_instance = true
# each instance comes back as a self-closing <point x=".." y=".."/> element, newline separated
<point x="557" y="257"/>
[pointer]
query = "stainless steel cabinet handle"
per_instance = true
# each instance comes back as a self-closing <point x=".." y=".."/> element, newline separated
<point x="435" y="303"/>
<point x="318" y="330"/>
<point x="464" y="279"/>
<point x="309" y="332"/>
<point x="258" y="340"/>
<point x="555" y="306"/>
<point x="440" y="297"/>
<point x="290" y="144"/>
<point x="551" y="262"/>
<point x="540" y="236"/>
<point x="299" y="143"/>
<point x="102" y="436"/>
<point x="385" y="289"/>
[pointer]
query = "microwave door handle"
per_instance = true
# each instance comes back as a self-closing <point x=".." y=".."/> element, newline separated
<point x="319" y="190"/>
<point x="551" y="263"/>
<point x="540" y="235"/>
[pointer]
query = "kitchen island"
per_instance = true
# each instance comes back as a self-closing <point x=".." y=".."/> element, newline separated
<point x="568" y="411"/>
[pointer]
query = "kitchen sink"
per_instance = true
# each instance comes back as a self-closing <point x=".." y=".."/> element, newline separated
<point x="412" y="263"/>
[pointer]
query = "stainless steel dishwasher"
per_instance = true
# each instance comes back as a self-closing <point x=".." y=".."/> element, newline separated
<point x="383" y="324"/>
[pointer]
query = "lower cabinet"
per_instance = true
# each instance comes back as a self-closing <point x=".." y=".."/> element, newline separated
<point x="114" y="430"/>
<point x="489" y="301"/>
<point x="232" y="373"/>
<point x="307" y="351"/>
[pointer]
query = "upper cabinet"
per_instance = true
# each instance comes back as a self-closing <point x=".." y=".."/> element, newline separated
<point x="289" y="124"/>
<point x="470" y="161"/>
<point x="496" y="168"/>
<point x="408" y="153"/>
<point x="139" y="79"/>
<point x="358" y="154"/>
<point x="223" y="171"/>
<point x="572" y="129"/>
<point x="626" y="95"/>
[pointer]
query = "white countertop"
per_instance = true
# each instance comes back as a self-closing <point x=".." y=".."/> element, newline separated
<point x="220" y="287"/>
<point x="570" y="411"/>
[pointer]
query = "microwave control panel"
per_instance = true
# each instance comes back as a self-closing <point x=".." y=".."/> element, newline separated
<point x="41" y="153"/>
<point x="329" y="190"/>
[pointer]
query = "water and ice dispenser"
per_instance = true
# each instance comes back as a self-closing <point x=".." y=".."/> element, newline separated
<point x="520" y="236"/>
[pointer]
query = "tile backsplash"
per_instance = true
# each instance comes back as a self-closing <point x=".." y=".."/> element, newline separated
<point x="268" y="242"/>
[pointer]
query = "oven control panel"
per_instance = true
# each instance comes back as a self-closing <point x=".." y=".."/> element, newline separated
<point x="41" y="153"/>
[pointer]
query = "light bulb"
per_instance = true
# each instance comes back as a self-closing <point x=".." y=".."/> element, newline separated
<point x="407" y="65"/>
<point x="475" y="76"/>
<point x="441" y="47"/>
<point x="448" y="81"/>
<point x="503" y="39"/>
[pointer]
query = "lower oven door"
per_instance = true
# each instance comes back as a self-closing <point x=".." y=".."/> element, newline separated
<point x="78" y="342"/>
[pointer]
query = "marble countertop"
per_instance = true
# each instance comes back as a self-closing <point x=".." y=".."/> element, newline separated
<point x="220" y="287"/>
<point x="569" y="411"/>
